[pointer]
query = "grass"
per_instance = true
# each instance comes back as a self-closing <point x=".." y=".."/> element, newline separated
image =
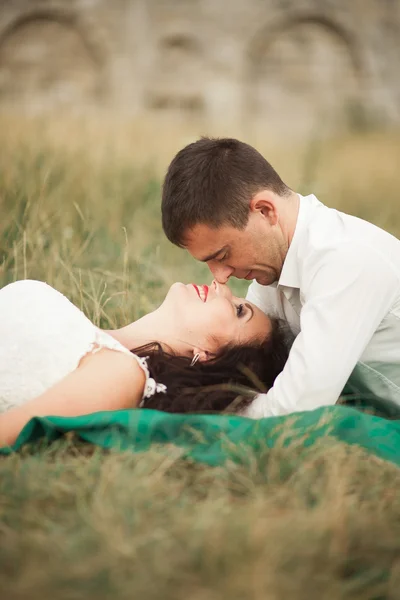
<point x="80" y="209"/>
<point x="132" y="526"/>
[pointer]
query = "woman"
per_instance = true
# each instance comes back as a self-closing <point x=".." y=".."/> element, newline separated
<point x="54" y="360"/>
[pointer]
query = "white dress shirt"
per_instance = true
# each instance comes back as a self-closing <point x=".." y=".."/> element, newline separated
<point x="339" y="291"/>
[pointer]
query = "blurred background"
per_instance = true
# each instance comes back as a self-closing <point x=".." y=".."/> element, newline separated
<point x="96" y="97"/>
<point x="286" y="66"/>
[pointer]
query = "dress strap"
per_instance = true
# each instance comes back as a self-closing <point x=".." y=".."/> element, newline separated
<point x="104" y="340"/>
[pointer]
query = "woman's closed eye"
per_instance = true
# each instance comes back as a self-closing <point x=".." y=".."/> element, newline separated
<point x="244" y="309"/>
<point x="240" y="310"/>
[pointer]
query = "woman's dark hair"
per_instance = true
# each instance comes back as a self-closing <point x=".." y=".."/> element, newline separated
<point x="227" y="382"/>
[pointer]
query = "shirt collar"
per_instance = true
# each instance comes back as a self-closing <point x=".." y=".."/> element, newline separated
<point x="290" y="276"/>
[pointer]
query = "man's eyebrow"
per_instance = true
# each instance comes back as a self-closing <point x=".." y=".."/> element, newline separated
<point x="252" y="311"/>
<point x="213" y="255"/>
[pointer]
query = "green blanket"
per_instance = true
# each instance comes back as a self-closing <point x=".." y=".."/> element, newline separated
<point x="213" y="439"/>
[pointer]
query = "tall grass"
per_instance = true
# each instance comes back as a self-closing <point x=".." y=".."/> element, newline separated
<point x="79" y="206"/>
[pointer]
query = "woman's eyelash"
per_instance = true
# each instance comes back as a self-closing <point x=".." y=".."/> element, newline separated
<point x="239" y="310"/>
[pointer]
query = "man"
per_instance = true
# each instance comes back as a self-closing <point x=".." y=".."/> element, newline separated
<point x="334" y="278"/>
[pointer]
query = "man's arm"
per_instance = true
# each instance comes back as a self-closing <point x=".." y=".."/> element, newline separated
<point x="351" y="291"/>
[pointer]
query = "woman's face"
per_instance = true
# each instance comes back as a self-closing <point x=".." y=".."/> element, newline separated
<point x="210" y="317"/>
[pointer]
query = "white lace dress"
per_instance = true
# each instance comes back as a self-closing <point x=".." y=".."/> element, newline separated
<point x="43" y="337"/>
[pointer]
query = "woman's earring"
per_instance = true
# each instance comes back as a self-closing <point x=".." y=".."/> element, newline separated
<point x="195" y="359"/>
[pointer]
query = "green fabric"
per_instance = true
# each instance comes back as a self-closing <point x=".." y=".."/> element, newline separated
<point x="212" y="439"/>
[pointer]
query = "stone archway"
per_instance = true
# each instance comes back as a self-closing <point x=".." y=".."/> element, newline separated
<point x="176" y="88"/>
<point x="47" y="61"/>
<point x="303" y="75"/>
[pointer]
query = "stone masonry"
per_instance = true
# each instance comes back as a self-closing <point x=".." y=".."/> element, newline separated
<point x="280" y="64"/>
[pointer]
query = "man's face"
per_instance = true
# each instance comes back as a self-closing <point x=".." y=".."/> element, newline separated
<point x="256" y="252"/>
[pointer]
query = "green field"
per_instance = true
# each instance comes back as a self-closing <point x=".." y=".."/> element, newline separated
<point x="80" y="209"/>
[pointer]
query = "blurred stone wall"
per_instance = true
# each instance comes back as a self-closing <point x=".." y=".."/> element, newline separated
<point x="281" y="64"/>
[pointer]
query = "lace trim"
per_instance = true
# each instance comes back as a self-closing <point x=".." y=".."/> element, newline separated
<point x="151" y="387"/>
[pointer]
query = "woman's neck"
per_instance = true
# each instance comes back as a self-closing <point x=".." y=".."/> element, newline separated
<point x="153" y="327"/>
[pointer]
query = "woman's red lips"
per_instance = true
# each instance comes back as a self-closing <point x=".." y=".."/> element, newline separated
<point x="202" y="291"/>
<point x="197" y="289"/>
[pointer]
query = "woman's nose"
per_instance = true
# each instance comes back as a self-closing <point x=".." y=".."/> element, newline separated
<point x="222" y="289"/>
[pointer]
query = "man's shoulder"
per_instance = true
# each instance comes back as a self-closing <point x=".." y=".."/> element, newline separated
<point x="329" y="238"/>
<point x="329" y="228"/>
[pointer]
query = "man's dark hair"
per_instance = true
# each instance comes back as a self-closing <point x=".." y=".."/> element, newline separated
<point x="212" y="182"/>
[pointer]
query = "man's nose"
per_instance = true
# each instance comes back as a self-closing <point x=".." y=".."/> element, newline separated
<point x="220" y="272"/>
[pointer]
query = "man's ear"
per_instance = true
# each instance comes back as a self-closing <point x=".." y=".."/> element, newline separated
<point x="265" y="204"/>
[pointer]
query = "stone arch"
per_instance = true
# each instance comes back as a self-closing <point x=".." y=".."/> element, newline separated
<point x="182" y="42"/>
<point x="177" y="70"/>
<point x="50" y="58"/>
<point x="305" y="72"/>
